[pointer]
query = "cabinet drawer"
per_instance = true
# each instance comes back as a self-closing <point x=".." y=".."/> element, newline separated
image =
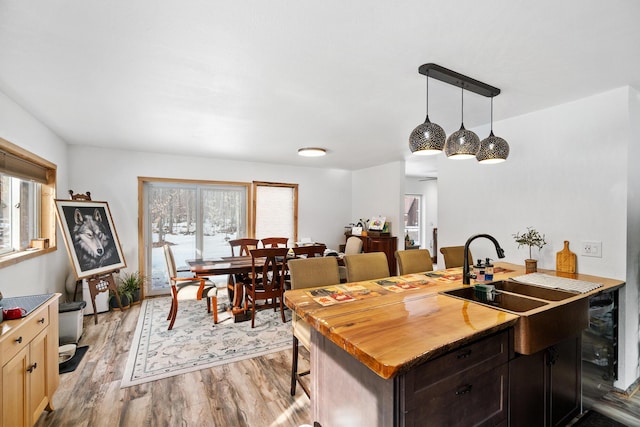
<point x="467" y="399"/>
<point x="484" y="354"/>
<point x="25" y="331"/>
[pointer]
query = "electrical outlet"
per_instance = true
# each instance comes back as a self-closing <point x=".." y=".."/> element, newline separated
<point x="592" y="249"/>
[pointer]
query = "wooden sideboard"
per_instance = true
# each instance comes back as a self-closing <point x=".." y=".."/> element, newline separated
<point x="29" y="360"/>
<point x="386" y="244"/>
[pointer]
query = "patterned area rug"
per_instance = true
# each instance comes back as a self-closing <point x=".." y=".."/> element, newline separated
<point x="195" y="342"/>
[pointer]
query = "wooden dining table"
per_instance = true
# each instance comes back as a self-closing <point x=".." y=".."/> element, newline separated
<point x="231" y="265"/>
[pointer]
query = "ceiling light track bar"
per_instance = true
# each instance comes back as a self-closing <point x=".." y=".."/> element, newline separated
<point x="459" y="80"/>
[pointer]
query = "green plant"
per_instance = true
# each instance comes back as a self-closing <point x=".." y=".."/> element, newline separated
<point x="129" y="284"/>
<point x="531" y="238"/>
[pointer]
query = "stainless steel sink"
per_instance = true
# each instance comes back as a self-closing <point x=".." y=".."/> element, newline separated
<point x="545" y="318"/>
<point x="502" y="300"/>
<point x="547" y="294"/>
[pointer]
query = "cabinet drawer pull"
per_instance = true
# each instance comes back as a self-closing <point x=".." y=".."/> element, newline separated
<point x="19" y="340"/>
<point x="41" y="321"/>
<point x="32" y="367"/>
<point x="464" y="354"/>
<point x="464" y="390"/>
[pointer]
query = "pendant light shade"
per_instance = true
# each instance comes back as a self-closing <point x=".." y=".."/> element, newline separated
<point x="493" y="149"/>
<point x="462" y="144"/>
<point x="427" y="138"/>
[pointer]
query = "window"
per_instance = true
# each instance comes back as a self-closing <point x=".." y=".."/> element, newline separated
<point x="276" y="210"/>
<point x="27" y="192"/>
<point x="413" y="217"/>
<point x="197" y="218"/>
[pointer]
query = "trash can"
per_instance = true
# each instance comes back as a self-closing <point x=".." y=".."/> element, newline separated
<point x="70" y="319"/>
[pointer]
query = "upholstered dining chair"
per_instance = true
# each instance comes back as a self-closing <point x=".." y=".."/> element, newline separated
<point x="275" y="242"/>
<point x="188" y="288"/>
<point x="267" y="281"/>
<point x="414" y="261"/>
<point x="454" y="256"/>
<point x="309" y="251"/>
<point x="353" y="246"/>
<point x="367" y="266"/>
<point x="308" y="273"/>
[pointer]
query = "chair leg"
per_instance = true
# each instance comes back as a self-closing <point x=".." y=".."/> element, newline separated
<point x="282" y="309"/>
<point x="294" y="366"/>
<point x="214" y="302"/>
<point x="173" y="311"/>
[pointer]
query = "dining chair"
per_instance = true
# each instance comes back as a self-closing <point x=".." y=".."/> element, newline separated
<point x="242" y="247"/>
<point x="307" y="273"/>
<point x="275" y="242"/>
<point x="267" y="281"/>
<point x="310" y="251"/>
<point x="454" y="256"/>
<point x="414" y="261"/>
<point x="188" y="288"/>
<point x="353" y="246"/>
<point x="367" y="266"/>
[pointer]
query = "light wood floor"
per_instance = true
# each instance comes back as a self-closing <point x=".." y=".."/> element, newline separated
<point x="252" y="393"/>
<point x="249" y="393"/>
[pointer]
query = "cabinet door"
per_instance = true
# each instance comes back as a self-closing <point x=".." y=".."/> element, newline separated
<point x="565" y="380"/>
<point x="14" y="390"/>
<point x="37" y="376"/>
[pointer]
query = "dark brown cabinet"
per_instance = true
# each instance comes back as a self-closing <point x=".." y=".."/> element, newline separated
<point x="386" y="244"/>
<point x="467" y="387"/>
<point x="544" y="388"/>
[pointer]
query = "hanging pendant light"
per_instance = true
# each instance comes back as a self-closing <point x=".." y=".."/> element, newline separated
<point x="427" y="138"/>
<point x="493" y="149"/>
<point x="462" y="144"/>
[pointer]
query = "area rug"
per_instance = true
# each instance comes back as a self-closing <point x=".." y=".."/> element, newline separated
<point x="195" y="342"/>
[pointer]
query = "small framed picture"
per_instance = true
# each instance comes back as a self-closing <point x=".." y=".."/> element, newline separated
<point x="90" y="237"/>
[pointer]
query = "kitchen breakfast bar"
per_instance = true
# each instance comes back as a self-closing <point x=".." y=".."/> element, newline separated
<point x="400" y="351"/>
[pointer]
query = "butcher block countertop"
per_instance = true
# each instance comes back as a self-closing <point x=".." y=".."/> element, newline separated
<point x="394" y="324"/>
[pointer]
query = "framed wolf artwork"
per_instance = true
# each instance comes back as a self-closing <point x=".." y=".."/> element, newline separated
<point x="90" y="237"/>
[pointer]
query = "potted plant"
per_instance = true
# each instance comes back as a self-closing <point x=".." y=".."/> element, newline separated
<point x="530" y="238"/>
<point x="125" y="299"/>
<point x="130" y="284"/>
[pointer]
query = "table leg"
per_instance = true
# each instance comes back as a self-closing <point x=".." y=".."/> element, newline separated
<point x="238" y="311"/>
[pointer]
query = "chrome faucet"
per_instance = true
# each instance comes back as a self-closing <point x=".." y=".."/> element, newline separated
<point x="466" y="276"/>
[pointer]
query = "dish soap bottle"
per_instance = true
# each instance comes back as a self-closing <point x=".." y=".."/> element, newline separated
<point x="488" y="270"/>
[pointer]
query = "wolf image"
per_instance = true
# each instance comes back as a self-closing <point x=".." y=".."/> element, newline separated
<point x="92" y="241"/>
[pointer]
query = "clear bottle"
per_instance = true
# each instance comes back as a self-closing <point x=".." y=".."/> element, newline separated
<point x="488" y="270"/>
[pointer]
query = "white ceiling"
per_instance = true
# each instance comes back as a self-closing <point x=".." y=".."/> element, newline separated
<point x="256" y="79"/>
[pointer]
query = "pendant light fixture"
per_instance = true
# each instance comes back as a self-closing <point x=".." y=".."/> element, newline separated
<point x="427" y="138"/>
<point x="462" y="144"/>
<point x="493" y="149"/>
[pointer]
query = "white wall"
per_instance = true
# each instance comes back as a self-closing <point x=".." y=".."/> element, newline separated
<point x="379" y="190"/>
<point x="567" y="176"/>
<point x="47" y="273"/>
<point x="111" y="175"/>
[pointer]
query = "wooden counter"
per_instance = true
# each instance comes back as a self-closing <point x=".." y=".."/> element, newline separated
<point x="391" y="332"/>
<point x="382" y="349"/>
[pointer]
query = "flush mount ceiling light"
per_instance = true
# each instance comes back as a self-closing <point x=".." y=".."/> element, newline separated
<point x="493" y="149"/>
<point x="427" y="138"/>
<point x="312" y="152"/>
<point x="462" y="144"/>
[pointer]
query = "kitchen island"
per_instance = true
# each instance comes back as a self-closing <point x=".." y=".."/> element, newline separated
<point x="400" y="352"/>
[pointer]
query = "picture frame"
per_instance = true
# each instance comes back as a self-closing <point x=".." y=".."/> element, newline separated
<point x="90" y="237"/>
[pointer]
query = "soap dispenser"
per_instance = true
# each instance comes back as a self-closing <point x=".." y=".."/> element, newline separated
<point x="479" y="272"/>
<point x="488" y="270"/>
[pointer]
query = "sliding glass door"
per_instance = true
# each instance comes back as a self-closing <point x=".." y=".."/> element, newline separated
<point x="197" y="219"/>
